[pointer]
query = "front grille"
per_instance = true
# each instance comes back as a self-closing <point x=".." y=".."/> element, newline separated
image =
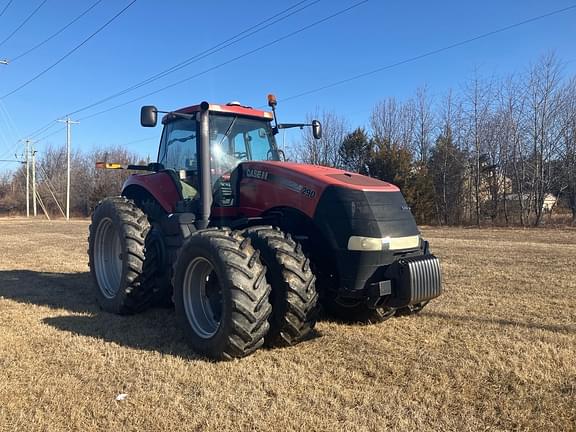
<point x="415" y="279"/>
<point x="425" y="278"/>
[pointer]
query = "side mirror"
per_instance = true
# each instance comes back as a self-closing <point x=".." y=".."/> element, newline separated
<point x="148" y="116"/>
<point x="316" y="129"/>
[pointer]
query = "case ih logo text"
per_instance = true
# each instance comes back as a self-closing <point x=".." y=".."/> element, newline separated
<point x="257" y="174"/>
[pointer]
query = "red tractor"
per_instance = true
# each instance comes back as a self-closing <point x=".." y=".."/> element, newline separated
<point x="247" y="245"/>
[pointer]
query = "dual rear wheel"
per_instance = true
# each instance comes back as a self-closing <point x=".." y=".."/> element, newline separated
<point x="236" y="291"/>
<point x="221" y="294"/>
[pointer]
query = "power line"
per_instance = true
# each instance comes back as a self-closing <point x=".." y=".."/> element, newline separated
<point x="49" y="38"/>
<point x="6" y="7"/>
<point x="8" y="131"/>
<point x="256" y="28"/>
<point x="245" y="54"/>
<point x="6" y="165"/>
<point x="23" y="23"/>
<point x="51" y="134"/>
<point x="355" y="77"/>
<point x="69" y="53"/>
<point x="209" y="51"/>
<point x="137" y="141"/>
<point x="428" y="53"/>
<point x="43" y="129"/>
<point x="14" y="148"/>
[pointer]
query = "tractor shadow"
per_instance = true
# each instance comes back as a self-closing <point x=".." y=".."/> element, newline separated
<point x="488" y="320"/>
<point x="153" y="330"/>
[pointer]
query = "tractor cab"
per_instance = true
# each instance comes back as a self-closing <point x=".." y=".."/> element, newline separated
<point x="202" y="146"/>
<point x="235" y="134"/>
<point x="234" y="137"/>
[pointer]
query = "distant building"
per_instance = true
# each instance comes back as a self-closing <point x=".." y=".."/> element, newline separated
<point x="549" y="202"/>
<point x="547" y="206"/>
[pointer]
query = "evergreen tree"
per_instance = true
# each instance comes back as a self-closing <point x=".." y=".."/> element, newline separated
<point x="355" y="151"/>
<point x="390" y="162"/>
<point x="447" y="170"/>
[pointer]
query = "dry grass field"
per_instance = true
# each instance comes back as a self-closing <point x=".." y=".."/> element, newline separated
<point x="496" y="352"/>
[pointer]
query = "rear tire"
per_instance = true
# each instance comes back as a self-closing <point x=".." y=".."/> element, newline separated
<point x="162" y="245"/>
<point x="116" y="254"/>
<point x="294" y="298"/>
<point x="221" y="294"/>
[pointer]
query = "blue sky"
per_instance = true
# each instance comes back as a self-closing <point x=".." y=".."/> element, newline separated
<point x="152" y="36"/>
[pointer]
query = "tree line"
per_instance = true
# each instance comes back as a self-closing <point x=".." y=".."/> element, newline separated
<point x="496" y="151"/>
<point x="88" y="185"/>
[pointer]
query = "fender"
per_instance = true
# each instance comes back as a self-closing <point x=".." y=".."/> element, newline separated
<point x="160" y="185"/>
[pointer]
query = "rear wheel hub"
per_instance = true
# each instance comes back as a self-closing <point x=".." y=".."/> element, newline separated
<point x="108" y="258"/>
<point x="202" y="297"/>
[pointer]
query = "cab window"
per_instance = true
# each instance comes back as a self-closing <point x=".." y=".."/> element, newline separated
<point x="235" y="139"/>
<point x="178" y="145"/>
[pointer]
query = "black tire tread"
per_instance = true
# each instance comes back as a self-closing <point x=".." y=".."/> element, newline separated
<point x="136" y="295"/>
<point x="160" y="275"/>
<point x="248" y="287"/>
<point x="294" y="298"/>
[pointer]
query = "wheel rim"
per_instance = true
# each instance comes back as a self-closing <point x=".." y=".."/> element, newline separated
<point x="108" y="258"/>
<point x="202" y="297"/>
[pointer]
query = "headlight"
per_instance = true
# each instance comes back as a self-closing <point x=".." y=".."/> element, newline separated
<point x="359" y="243"/>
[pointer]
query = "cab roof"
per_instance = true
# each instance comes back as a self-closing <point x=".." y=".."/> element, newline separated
<point x="230" y="108"/>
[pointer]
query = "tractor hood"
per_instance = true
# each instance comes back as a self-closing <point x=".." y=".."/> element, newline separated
<point x="319" y="177"/>
<point x="343" y="204"/>
<point x="363" y="223"/>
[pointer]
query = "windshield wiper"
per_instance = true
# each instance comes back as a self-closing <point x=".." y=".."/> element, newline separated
<point x="227" y="131"/>
<point x="184" y="139"/>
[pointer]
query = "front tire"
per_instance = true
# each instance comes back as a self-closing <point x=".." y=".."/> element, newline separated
<point x="221" y="294"/>
<point x="294" y="298"/>
<point x="116" y="254"/>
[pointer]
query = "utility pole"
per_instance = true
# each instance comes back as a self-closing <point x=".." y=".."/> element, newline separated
<point x="27" y="179"/>
<point x="34" y="207"/>
<point x="68" y="122"/>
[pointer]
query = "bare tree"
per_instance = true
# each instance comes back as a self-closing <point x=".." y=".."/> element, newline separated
<point x="567" y="151"/>
<point x="446" y="164"/>
<point x="393" y="123"/>
<point x="544" y="132"/>
<point x="510" y="151"/>
<point x="324" y="151"/>
<point x="424" y="125"/>
<point x="478" y="96"/>
<point x="105" y="182"/>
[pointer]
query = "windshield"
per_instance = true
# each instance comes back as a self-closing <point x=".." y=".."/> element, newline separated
<point x="236" y="139"/>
